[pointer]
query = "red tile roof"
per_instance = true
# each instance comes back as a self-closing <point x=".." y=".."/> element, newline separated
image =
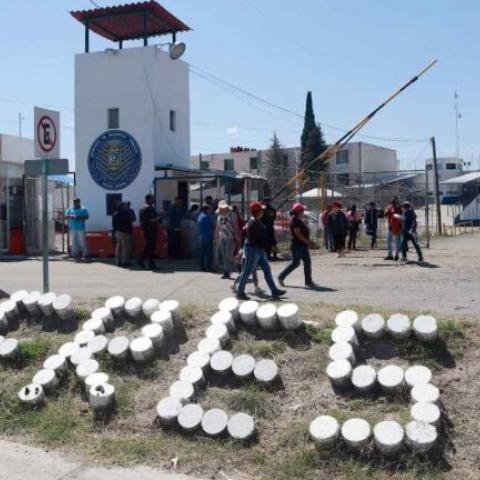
<point x="125" y="22"/>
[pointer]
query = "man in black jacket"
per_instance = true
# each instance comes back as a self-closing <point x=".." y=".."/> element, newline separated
<point x="409" y="232"/>
<point x="337" y="225"/>
<point x="255" y="254"/>
<point x="123" y="230"/>
<point x="149" y="222"/>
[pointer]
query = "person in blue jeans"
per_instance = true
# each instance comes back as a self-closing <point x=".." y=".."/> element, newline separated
<point x="255" y="253"/>
<point x="206" y="229"/>
<point x="300" y="247"/>
<point x="77" y="216"/>
<point x="409" y="232"/>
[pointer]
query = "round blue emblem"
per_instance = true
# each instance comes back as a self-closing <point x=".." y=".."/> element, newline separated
<point x="114" y="160"/>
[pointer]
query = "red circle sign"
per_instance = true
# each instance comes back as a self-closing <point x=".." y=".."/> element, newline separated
<point x="46" y="133"/>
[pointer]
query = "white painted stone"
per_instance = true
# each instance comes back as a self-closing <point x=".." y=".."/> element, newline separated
<point x="67" y="349"/>
<point x="80" y="355"/>
<point x="231" y="305"/>
<point x="348" y="318"/>
<point x="45" y="302"/>
<point x="18" y="297"/>
<point x="289" y="317"/>
<point x="193" y="375"/>
<point x="267" y="316"/>
<point x="133" y="307"/>
<point x="391" y="378"/>
<point x="96" y="325"/>
<point x="10" y="309"/>
<point x="31" y="303"/>
<point x="221" y="362"/>
<point x="8" y="348"/>
<point x="47" y="378"/>
<point x="388" y="436"/>
<point x="168" y="409"/>
<point x="421" y="436"/>
<point x="164" y="318"/>
<point x="3" y="321"/>
<point x="149" y="306"/>
<point x="425" y="328"/>
<point x="243" y="366"/>
<point x="142" y="349"/>
<point x="418" y="374"/>
<point x="154" y="332"/>
<point x="344" y="334"/>
<point x="248" y="312"/>
<point x="342" y="351"/>
<point x="32" y="395"/>
<point x="356" y="432"/>
<point x="182" y="390"/>
<point x="209" y="346"/>
<point x="199" y="359"/>
<point x="373" y="325"/>
<point x="95" y="379"/>
<point x="173" y="306"/>
<point x="63" y="306"/>
<point x="118" y="347"/>
<point x="399" y="326"/>
<point x="266" y="371"/>
<point x="324" y="431"/>
<point x="225" y="318"/>
<point x="101" y="396"/>
<point x="364" y="378"/>
<point x="2" y="338"/>
<point x="190" y="417"/>
<point x="219" y="332"/>
<point x="98" y="344"/>
<point x="83" y="337"/>
<point x="106" y="315"/>
<point x="241" y="426"/>
<point x="425" y="393"/>
<point x="57" y="363"/>
<point x="117" y="305"/>
<point x="86" y="368"/>
<point x="339" y="372"/>
<point x="426" y="412"/>
<point x="214" y="422"/>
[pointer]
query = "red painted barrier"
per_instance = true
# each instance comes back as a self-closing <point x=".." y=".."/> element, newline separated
<point x="17" y="243"/>
<point x="100" y="243"/>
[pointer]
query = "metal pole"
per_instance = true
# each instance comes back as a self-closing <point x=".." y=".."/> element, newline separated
<point x="427" y="210"/>
<point x="46" y="286"/>
<point x="87" y="37"/>
<point x="145" y="31"/>
<point x="20" y="125"/>
<point x="436" y="187"/>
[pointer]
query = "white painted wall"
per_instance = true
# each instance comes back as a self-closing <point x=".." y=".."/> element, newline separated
<point x="15" y="149"/>
<point x="145" y="84"/>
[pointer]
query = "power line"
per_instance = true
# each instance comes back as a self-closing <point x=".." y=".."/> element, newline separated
<point x="216" y="80"/>
<point x="95" y="4"/>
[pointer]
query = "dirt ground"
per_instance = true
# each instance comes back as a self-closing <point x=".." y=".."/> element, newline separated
<point x="282" y="449"/>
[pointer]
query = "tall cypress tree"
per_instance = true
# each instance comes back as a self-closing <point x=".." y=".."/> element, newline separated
<point x="312" y="140"/>
<point x="275" y="168"/>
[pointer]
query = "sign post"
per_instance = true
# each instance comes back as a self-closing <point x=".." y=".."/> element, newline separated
<point x="47" y="146"/>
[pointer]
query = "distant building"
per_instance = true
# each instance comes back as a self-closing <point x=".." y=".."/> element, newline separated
<point x="13" y="153"/>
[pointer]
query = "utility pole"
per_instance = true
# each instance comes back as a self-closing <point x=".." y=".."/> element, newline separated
<point x="20" y="118"/>
<point x="436" y="187"/>
<point x="457" y="116"/>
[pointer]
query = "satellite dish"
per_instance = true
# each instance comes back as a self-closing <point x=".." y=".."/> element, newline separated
<point x="177" y="50"/>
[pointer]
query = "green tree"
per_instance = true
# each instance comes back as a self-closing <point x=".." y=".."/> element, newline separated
<point x="312" y="140"/>
<point x="276" y="167"/>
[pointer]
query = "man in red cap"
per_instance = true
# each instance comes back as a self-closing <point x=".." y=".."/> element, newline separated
<point x="299" y="247"/>
<point x="255" y="254"/>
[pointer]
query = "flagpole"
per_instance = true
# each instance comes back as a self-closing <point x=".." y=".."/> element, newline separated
<point x="457" y="143"/>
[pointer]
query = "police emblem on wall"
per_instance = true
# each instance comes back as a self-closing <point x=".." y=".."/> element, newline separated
<point x="114" y="160"/>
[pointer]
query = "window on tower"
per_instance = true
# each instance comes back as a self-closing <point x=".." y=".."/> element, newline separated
<point x="113" y="118"/>
<point x="173" y="120"/>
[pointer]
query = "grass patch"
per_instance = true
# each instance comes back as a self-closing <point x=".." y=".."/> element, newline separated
<point x="36" y="349"/>
<point x="246" y="343"/>
<point x="82" y="313"/>
<point x="319" y="335"/>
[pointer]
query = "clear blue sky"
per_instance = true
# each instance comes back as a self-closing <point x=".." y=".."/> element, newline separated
<point x="350" y="53"/>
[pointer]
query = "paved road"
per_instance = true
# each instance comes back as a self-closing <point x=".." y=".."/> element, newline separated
<point x="20" y="462"/>
<point x="450" y="283"/>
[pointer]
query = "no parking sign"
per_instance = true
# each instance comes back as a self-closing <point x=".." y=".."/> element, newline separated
<point x="47" y="133"/>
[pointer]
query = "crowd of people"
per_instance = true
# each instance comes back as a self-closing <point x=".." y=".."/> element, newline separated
<point x="231" y="244"/>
